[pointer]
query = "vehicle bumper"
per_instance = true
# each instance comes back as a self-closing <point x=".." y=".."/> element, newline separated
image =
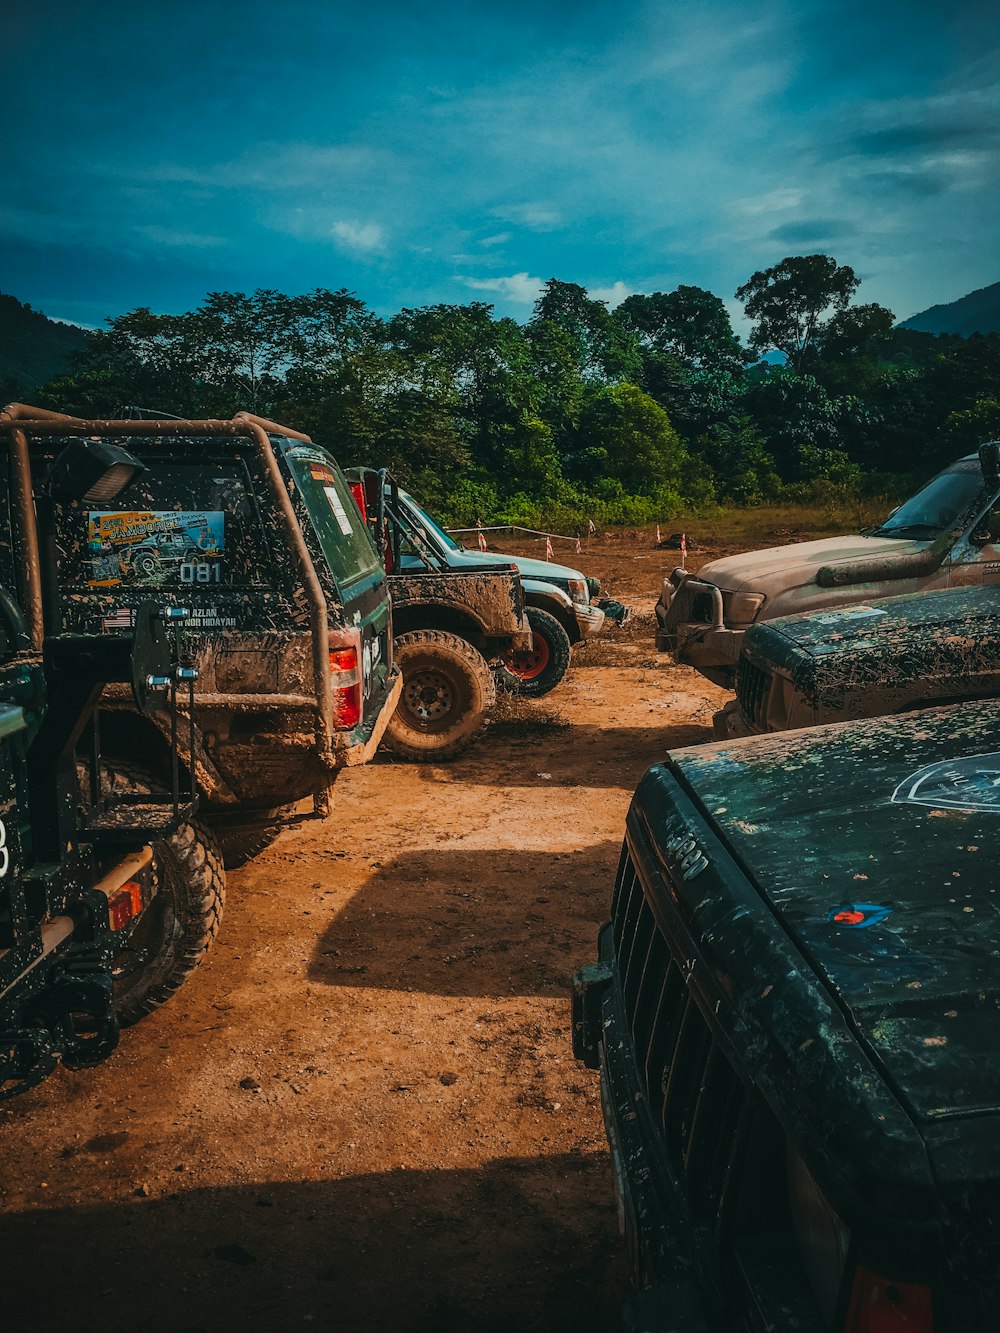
<point x="729" y="723"/>
<point x="589" y="620"/>
<point x="653" y="1226"/>
<point x="520" y="639"/>
<point x="708" y="644"/>
<point x="358" y="746"/>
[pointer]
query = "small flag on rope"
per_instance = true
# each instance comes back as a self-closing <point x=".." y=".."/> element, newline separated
<point x="548" y="548"/>
<point x="658" y="537"/>
<point x="579" y="548"/>
<point x="482" y="541"/>
<point x="590" y="526"/>
<point x="684" y="547"/>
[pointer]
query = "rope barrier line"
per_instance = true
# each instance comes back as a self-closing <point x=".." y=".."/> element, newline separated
<point x="514" y="527"/>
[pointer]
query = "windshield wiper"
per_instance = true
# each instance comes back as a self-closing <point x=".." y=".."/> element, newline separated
<point x="907" y="530"/>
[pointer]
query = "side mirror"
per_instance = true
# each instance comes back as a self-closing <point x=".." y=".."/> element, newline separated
<point x="987" y="530"/>
<point x="989" y="461"/>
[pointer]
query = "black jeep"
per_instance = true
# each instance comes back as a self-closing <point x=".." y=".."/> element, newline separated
<point x="796" y="1017"/>
<point x="111" y="890"/>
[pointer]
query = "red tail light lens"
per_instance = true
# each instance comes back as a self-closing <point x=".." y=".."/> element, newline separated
<point x="125" y="904"/>
<point x="358" y="491"/>
<point x="881" y="1305"/>
<point x="345" y="684"/>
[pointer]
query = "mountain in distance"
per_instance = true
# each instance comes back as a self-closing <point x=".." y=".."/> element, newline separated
<point x="978" y="312"/>
<point x="33" y="348"/>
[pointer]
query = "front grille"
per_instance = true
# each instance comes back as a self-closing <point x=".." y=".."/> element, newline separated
<point x="753" y="685"/>
<point x="692" y="1091"/>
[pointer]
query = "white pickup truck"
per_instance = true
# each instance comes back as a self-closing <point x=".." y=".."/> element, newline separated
<point x="947" y="535"/>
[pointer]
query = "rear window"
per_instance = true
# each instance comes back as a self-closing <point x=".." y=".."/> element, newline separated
<point x="335" y="517"/>
<point x="179" y="526"/>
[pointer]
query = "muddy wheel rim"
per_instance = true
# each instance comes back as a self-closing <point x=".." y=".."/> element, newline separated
<point x="529" y="665"/>
<point x="428" y="695"/>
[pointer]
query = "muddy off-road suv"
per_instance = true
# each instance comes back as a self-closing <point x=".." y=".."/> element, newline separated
<point x="449" y="624"/>
<point x="945" y="536"/>
<point x="252" y="528"/>
<point x="111" y="888"/>
<point x="796" y="1017"/>
<point x="866" y="661"/>
<point x="563" y="605"/>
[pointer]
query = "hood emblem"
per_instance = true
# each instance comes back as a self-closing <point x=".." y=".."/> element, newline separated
<point x="972" y="783"/>
<point x="856" y="916"/>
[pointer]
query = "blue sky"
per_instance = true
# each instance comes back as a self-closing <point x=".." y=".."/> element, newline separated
<point x="154" y="152"/>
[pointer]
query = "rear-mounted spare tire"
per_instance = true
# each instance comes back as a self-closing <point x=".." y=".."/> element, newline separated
<point x="447" y="691"/>
<point x="535" y="672"/>
<point x="176" y="930"/>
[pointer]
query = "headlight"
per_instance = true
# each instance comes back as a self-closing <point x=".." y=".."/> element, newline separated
<point x="741" y="607"/>
<point x="821" y="1236"/>
<point x="595" y="587"/>
<point x="578" y="591"/>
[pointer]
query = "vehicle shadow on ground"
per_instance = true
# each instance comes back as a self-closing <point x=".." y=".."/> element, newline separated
<point x="525" y="1244"/>
<point x="578" y="756"/>
<point x="483" y="922"/>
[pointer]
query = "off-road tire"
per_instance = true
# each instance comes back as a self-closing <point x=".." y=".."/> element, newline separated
<point x="178" y="927"/>
<point x="532" y="675"/>
<point x="448" y="690"/>
<point x="240" y="843"/>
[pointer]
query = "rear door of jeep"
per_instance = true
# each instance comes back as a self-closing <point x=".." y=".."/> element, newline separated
<point x="351" y="569"/>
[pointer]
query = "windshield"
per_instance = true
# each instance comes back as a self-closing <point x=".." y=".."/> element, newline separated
<point x="425" y="521"/>
<point x="937" y="505"/>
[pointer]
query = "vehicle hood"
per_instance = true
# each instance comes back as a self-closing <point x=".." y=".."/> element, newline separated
<point x="546" y="570"/>
<point x="779" y="567"/>
<point x="903" y="627"/>
<point x="893" y="821"/>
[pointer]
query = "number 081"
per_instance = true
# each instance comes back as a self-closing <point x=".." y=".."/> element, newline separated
<point x="202" y="572"/>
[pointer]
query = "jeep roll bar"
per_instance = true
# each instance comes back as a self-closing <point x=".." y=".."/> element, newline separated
<point x="21" y="421"/>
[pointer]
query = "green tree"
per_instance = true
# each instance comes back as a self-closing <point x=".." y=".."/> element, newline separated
<point x="787" y="302"/>
<point x="690" y="324"/>
<point x="737" y="455"/>
<point x="247" y="342"/>
<point x="625" y="436"/>
<point x="967" y="430"/>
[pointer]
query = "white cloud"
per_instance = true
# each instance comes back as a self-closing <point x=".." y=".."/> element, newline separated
<point x="536" y="217"/>
<point x="276" y="166"/>
<point x="518" y="287"/>
<point x="188" y="240"/>
<point x="363" y="236"/>
<point x="774" y="201"/>
<point x="499" y="239"/>
<point x="614" y="295"/>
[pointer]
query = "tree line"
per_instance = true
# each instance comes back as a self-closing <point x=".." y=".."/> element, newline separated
<point x="625" y="415"/>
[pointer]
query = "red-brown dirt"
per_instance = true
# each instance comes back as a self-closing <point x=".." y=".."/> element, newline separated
<point x="363" y="1111"/>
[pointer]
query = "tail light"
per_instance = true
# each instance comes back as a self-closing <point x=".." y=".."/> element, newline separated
<point x="125" y="904"/>
<point x="882" y="1305"/>
<point x="345" y="685"/>
<point x="358" y="491"/>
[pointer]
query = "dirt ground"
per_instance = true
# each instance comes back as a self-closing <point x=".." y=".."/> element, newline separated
<point x="363" y="1111"/>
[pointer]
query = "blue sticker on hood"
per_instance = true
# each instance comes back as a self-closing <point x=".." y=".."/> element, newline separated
<point x="856" y="916"/>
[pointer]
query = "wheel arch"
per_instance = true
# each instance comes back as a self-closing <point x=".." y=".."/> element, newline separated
<point x="437" y="616"/>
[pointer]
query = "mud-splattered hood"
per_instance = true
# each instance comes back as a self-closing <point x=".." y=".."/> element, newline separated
<point x="778" y="568"/>
<point x="875" y="844"/>
<point x="902" y="627"/>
